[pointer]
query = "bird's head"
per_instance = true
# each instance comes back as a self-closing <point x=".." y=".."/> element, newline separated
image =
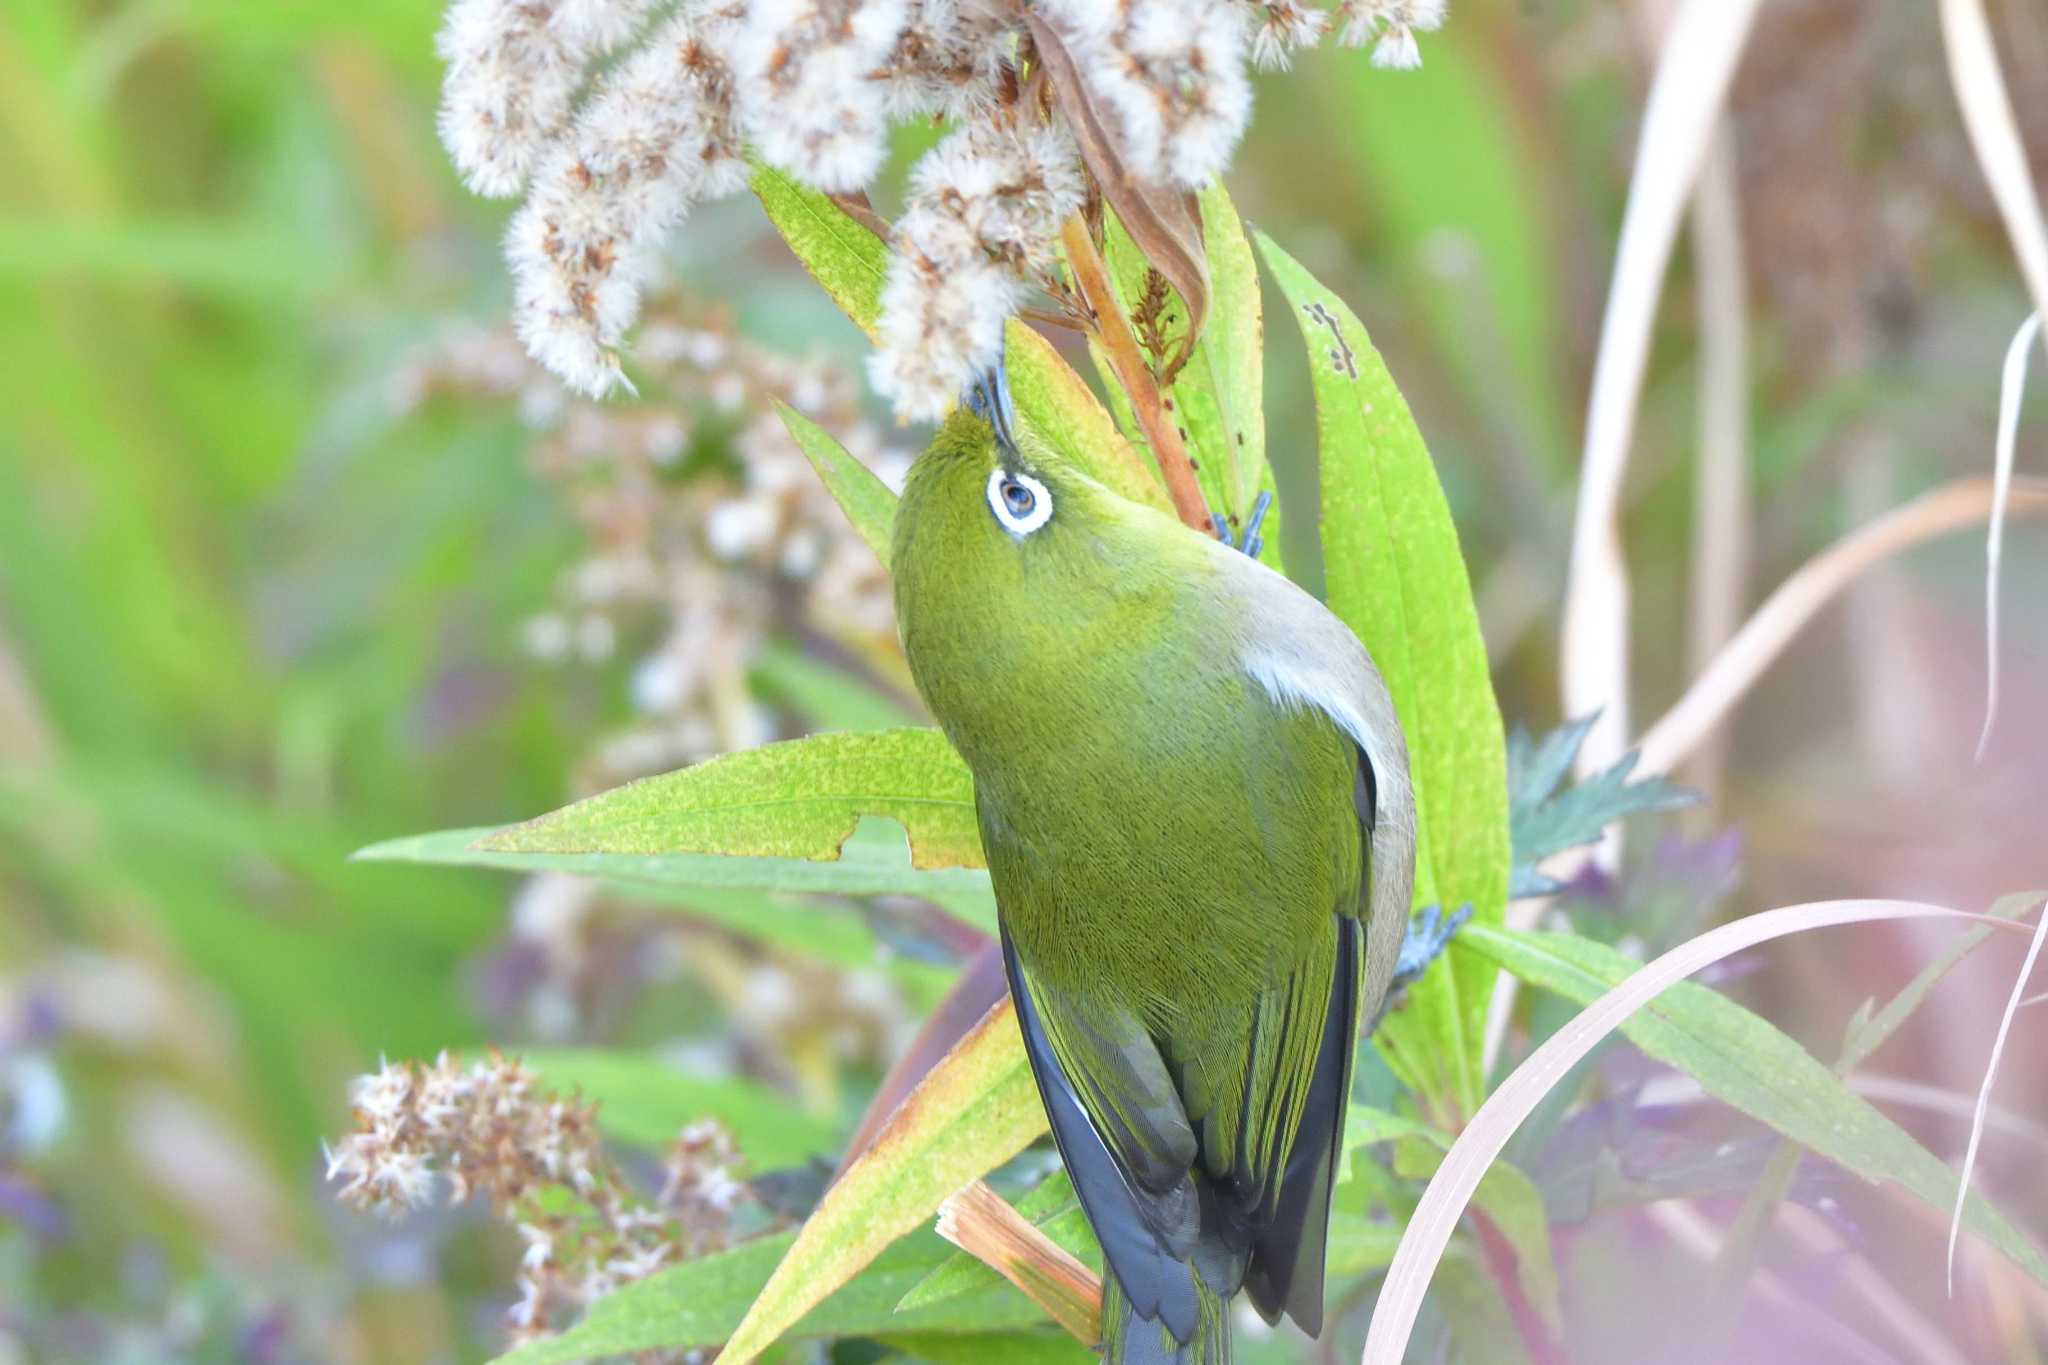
<point x="992" y="501"/>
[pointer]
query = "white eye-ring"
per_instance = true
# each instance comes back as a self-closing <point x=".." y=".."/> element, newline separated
<point x="1021" y="503"/>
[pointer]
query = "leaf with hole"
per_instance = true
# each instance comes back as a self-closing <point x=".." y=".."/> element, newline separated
<point x="799" y="798"/>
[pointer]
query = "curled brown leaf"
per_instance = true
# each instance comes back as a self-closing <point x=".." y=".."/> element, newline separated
<point x="1165" y="222"/>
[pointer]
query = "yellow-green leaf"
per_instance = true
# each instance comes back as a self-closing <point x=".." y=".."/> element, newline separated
<point x="861" y="495"/>
<point x="874" y="862"/>
<point x="846" y="259"/>
<point x="1055" y="403"/>
<point x="851" y="263"/>
<point x="1393" y="571"/>
<point x="797" y="799"/>
<point x="975" y="1110"/>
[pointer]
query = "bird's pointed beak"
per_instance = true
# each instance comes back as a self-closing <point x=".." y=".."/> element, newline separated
<point x="989" y="398"/>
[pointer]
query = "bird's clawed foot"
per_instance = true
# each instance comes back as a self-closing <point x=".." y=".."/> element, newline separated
<point x="1251" y="542"/>
<point x="1429" y="933"/>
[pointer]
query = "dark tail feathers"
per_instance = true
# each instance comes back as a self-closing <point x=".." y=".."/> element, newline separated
<point x="1129" y="1339"/>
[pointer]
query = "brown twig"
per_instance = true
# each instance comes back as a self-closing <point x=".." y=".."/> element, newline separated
<point x="1501" y="1265"/>
<point x="1113" y="330"/>
<point x="981" y="1222"/>
<point x="857" y="206"/>
<point x="1053" y="318"/>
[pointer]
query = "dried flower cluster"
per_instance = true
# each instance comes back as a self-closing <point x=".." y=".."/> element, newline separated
<point x="985" y="207"/>
<point x="811" y="87"/>
<point x="708" y="531"/>
<point x="707" y="535"/>
<point x="489" y="1128"/>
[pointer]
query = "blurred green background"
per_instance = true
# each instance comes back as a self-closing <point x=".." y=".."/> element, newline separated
<point x="265" y="600"/>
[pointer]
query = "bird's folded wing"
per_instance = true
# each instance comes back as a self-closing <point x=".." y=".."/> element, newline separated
<point x="1124" y="1137"/>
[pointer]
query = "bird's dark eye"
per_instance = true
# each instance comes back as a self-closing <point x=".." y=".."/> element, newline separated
<point x="1019" y="499"/>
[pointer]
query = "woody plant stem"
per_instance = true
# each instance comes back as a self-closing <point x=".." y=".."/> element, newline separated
<point x="1113" y="331"/>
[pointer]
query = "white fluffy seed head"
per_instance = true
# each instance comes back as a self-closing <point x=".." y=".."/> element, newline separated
<point x="1395" y="23"/>
<point x="1280" y="27"/>
<point x="1171" y="74"/>
<point x="1397" y="50"/>
<point x="948" y="60"/>
<point x="514" y="67"/>
<point x="813" y="71"/>
<point x="814" y="85"/>
<point x="986" y="205"/>
<point x="658" y="136"/>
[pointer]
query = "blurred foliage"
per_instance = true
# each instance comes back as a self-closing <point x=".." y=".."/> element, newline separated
<point x="257" y="611"/>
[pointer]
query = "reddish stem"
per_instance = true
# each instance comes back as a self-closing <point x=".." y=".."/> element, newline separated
<point x="1504" y="1265"/>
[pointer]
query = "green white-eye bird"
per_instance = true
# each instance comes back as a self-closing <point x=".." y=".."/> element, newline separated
<point x="1193" y="795"/>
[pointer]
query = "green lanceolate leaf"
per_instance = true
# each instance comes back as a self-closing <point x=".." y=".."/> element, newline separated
<point x="800" y="798"/>
<point x="993" y="1348"/>
<point x="1746" y="1062"/>
<point x="829" y="696"/>
<point x="644" y="1101"/>
<point x="873" y="862"/>
<point x="975" y="1110"/>
<point x="1055" y="403"/>
<point x="866" y="500"/>
<point x="1394" y="573"/>
<point x="848" y="261"/>
<point x="851" y="263"/>
<point x="1359" y="1243"/>
<point x="1218" y="396"/>
<point x="1365" y="1126"/>
<point x="699" y="1303"/>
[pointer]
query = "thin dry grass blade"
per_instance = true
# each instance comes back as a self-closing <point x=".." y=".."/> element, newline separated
<point x="1694" y="1232"/>
<point x="1697" y="62"/>
<point x="1980" y="92"/>
<point x="1721" y="510"/>
<point x="1994" y="133"/>
<point x="1444" y="1201"/>
<point x="2012" y="1005"/>
<point x="1764" y="636"/>
<point x="1922" y="1339"/>
<point x="981" y="1223"/>
<point x="2011" y="385"/>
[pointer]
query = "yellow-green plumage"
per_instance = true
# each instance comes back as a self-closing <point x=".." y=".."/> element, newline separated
<point x="1183" y="770"/>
